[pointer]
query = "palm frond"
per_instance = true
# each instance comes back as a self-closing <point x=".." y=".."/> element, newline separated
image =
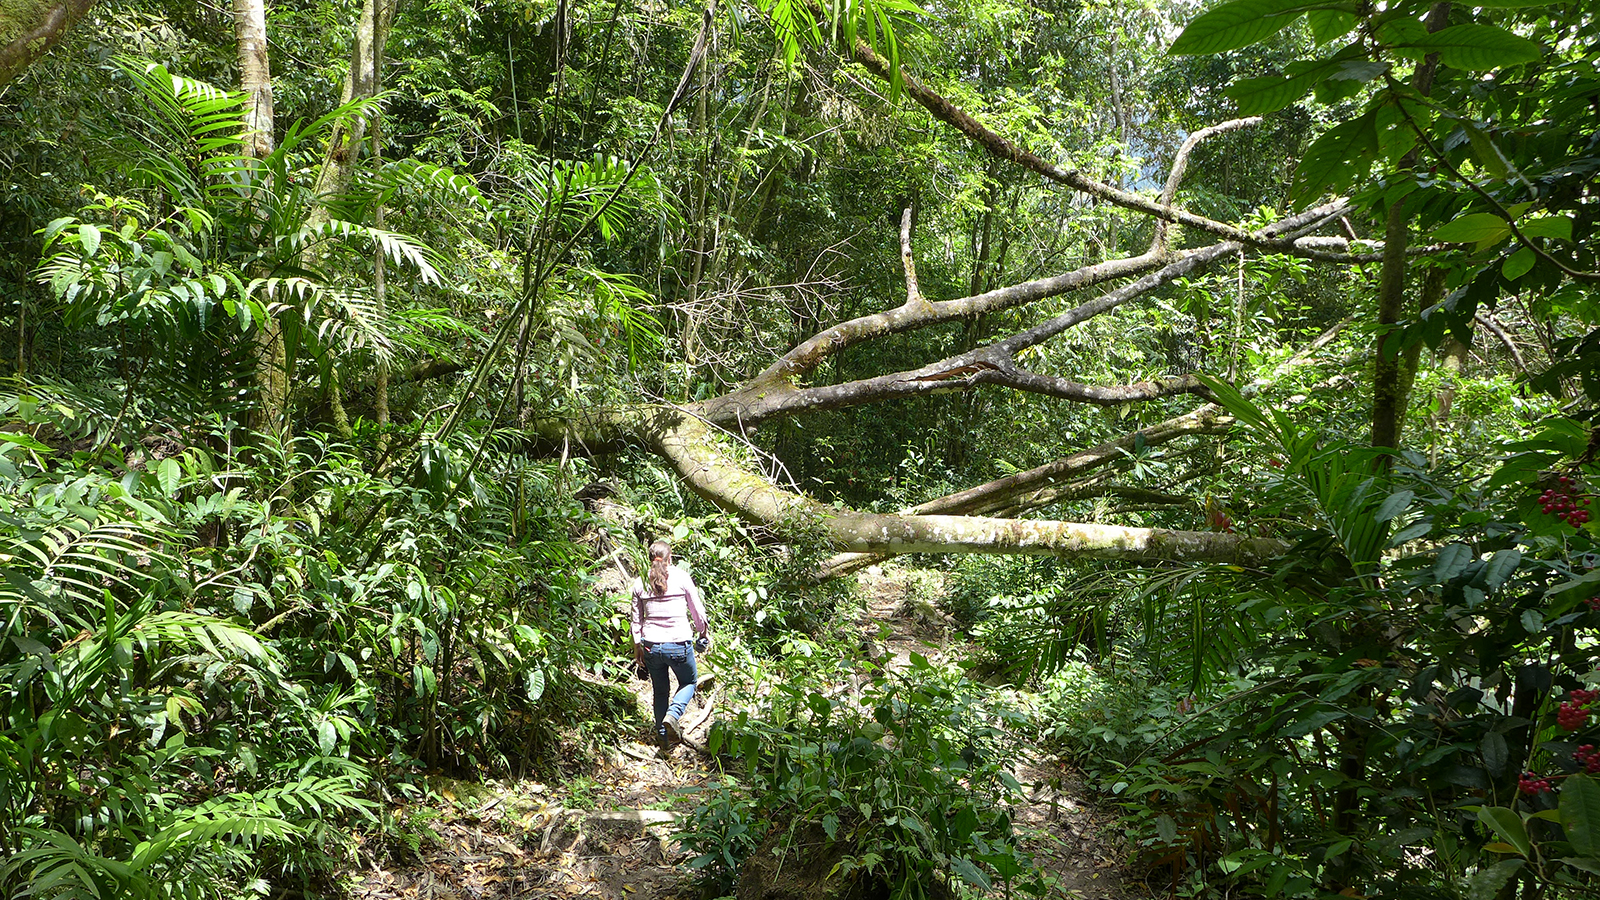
<point x="1200" y="617"/>
<point x="69" y="566"/>
<point x="309" y="799"/>
<point x="206" y="828"/>
<point x="621" y="299"/>
<point x="450" y="188"/>
<point x="59" y="868"/>
<point x="1343" y="486"/>
<point x="399" y="248"/>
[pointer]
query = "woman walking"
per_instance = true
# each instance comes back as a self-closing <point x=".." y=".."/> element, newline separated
<point x="668" y="615"/>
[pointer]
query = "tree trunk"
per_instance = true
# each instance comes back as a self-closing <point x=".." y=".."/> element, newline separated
<point x="364" y="80"/>
<point x="1451" y="365"/>
<point x="1388" y="398"/>
<point x="255" y="81"/>
<point x="380" y="397"/>
<point x="1392" y="370"/>
<point x="29" y="28"/>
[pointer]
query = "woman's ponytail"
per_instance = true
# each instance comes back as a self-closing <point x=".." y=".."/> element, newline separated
<point x="660" y="558"/>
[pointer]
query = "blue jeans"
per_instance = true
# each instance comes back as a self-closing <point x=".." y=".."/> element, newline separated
<point x="679" y="659"/>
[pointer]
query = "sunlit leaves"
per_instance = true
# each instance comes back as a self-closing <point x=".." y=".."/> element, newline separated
<point x="399" y="248"/>
<point x="1241" y="23"/>
<point x="802" y="24"/>
<point x="1473" y="228"/>
<point x="1477" y="47"/>
<point x="1580" y="814"/>
<point x="1256" y="96"/>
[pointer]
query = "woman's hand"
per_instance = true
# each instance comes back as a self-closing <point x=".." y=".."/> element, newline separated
<point x="638" y="654"/>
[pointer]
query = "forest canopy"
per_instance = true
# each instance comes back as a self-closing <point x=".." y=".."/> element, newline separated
<point x="1234" y="365"/>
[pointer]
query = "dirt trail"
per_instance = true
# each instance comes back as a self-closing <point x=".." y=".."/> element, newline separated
<point x="609" y="834"/>
<point x="1066" y="837"/>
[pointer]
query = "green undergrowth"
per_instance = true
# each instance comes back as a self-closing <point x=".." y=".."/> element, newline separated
<point x="906" y="783"/>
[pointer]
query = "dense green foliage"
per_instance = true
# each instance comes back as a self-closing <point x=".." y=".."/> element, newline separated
<point x="234" y="637"/>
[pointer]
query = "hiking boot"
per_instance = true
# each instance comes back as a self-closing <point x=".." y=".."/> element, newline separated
<point x="673" y="728"/>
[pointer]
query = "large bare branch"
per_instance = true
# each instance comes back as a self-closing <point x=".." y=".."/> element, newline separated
<point x="29" y="28"/>
<point x="811" y="353"/>
<point x="1180" y="166"/>
<point x="994" y="364"/>
<point x="1051" y="483"/>
<point x="695" y="451"/>
<point x="913" y="290"/>
<point x="1002" y="148"/>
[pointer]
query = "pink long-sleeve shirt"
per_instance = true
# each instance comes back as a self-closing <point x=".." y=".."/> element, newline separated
<point x="677" y="614"/>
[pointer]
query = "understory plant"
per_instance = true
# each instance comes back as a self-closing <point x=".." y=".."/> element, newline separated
<point x="906" y="786"/>
<point x="1414" y="716"/>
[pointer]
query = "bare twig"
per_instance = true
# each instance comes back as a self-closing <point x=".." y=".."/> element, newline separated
<point x="1180" y="165"/>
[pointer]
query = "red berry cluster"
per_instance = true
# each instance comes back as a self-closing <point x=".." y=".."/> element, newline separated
<point x="1563" y="503"/>
<point x="1574" y="713"/>
<point x="1589" y="758"/>
<point x="1594" y="603"/>
<point x="1530" y="783"/>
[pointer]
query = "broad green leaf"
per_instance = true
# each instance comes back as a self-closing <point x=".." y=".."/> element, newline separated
<point x="535" y="684"/>
<point x="1532" y="621"/>
<point x="1401" y="32"/>
<point x="1328" y="24"/>
<point x="168" y="473"/>
<point x="970" y="873"/>
<point x="24" y="440"/>
<point x="1487" y="882"/>
<point x="1258" y="96"/>
<point x="1239" y="24"/>
<point x="1472" y="228"/>
<point x="1314" y="722"/>
<point x="1394" y="505"/>
<point x="54" y="229"/>
<point x="1500" y="567"/>
<point x="1358" y="70"/>
<point x="1496" y="755"/>
<point x="1343" y="153"/>
<point x="1485" y="152"/>
<point x="1396" y="133"/>
<point x="1477" y="47"/>
<point x="1580" y="813"/>
<point x="1263" y="95"/>
<point x="89" y="239"/>
<point x="1453" y="558"/>
<point x="1508" y="825"/>
<point x="1518" y="264"/>
<point x="1548" y="227"/>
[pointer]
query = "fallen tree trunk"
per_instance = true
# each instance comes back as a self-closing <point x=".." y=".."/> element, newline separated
<point x="702" y="458"/>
